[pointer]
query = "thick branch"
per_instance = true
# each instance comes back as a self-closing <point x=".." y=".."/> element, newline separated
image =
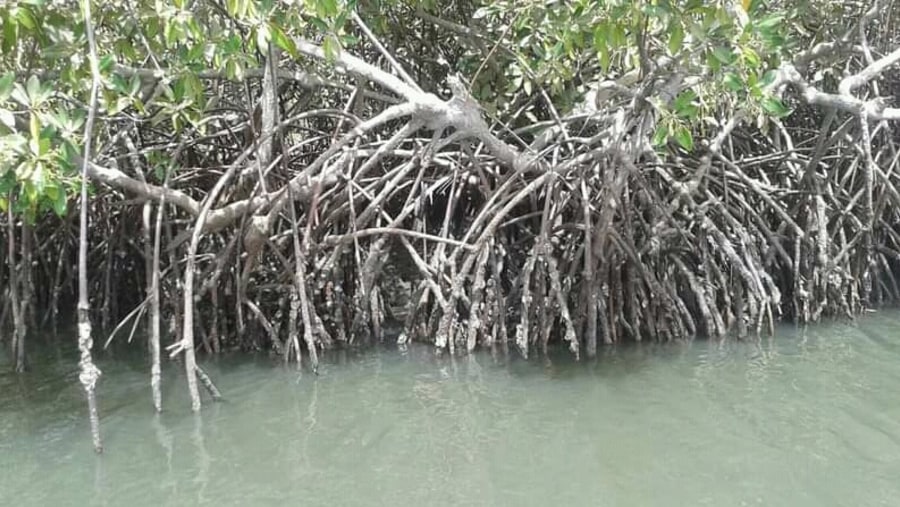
<point x="788" y="74"/>
<point x="851" y="83"/>
<point x="304" y="79"/>
<point x="121" y="181"/>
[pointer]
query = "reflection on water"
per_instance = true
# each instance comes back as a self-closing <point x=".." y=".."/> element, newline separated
<point x="807" y="418"/>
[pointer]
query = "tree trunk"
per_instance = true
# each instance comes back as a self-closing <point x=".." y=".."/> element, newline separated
<point x="18" y="341"/>
<point x="89" y="373"/>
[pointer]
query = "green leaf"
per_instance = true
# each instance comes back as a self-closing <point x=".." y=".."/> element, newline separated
<point x="16" y="144"/>
<point x="601" y="36"/>
<point x="172" y="32"/>
<point x="684" y="138"/>
<point x="51" y="190"/>
<point x="283" y="41"/>
<point x="23" y="170"/>
<point x="771" y="21"/>
<point x="31" y="193"/>
<point x="7" y="182"/>
<point x="7" y="119"/>
<point x="232" y="7"/>
<point x="676" y="37"/>
<point x="43" y="146"/>
<point x="661" y="135"/>
<point x="118" y="83"/>
<point x="684" y="104"/>
<point x="38" y="178"/>
<point x="33" y="87"/>
<point x="120" y="104"/>
<point x="6" y="86"/>
<point x="26" y="17"/>
<point x="751" y="57"/>
<point x="195" y="53"/>
<point x="619" y="36"/>
<point x="319" y="24"/>
<point x="767" y="79"/>
<point x="733" y="82"/>
<point x="341" y="19"/>
<point x="134" y="85"/>
<point x="67" y="154"/>
<point x="772" y="39"/>
<point x="35" y="128"/>
<point x="331" y="47"/>
<point x="775" y="107"/>
<point x="724" y="55"/>
<point x="751" y="6"/>
<point x="348" y="40"/>
<point x="233" y="70"/>
<point x="326" y="8"/>
<point x="60" y="202"/>
<point x="10" y="35"/>
<point x="232" y="45"/>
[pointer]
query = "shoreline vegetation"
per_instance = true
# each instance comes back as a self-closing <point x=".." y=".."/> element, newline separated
<point x="298" y="178"/>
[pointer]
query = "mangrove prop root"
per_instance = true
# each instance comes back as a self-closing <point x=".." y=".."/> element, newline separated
<point x="577" y="230"/>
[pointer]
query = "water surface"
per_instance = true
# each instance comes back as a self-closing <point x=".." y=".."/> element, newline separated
<point x="807" y="418"/>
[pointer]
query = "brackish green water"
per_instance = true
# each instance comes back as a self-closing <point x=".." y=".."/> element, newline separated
<point x="805" y="419"/>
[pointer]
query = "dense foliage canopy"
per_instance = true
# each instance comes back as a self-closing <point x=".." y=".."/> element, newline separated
<point x="161" y="62"/>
